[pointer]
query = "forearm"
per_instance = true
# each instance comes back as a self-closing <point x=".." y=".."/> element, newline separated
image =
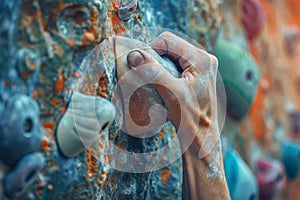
<point x="204" y="178"/>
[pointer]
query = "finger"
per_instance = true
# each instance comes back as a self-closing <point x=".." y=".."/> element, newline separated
<point x="169" y="44"/>
<point x="135" y="58"/>
<point x="147" y="68"/>
<point x="186" y="54"/>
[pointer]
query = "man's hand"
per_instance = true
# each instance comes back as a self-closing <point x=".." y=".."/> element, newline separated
<point x="191" y="105"/>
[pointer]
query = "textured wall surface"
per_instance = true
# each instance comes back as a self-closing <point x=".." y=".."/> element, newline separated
<point x="43" y="44"/>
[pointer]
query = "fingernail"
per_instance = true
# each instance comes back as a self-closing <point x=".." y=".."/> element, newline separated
<point x="135" y="58"/>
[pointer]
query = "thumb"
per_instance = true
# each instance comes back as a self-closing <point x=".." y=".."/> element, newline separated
<point x="148" y="68"/>
<point x="171" y="89"/>
<point x="135" y="58"/>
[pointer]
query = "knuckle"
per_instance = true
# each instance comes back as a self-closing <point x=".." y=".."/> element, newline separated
<point x="204" y="58"/>
<point x="214" y="61"/>
<point x="203" y="54"/>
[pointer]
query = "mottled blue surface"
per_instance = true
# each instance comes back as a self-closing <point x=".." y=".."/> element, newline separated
<point x="290" y="156"/>
<point x="170" y="14"/>
<point x="19" y="181"/>
<point x="241" y="181"/>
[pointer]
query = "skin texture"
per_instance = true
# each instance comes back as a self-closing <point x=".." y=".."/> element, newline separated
<point x="192" y="121"/>
<point x="136" y="120"/>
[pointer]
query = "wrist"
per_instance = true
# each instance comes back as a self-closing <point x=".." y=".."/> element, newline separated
<point x="213" y="157"/>
<point x="204" y="178"/>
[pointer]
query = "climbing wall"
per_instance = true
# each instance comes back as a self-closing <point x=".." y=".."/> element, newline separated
<point x="46" y="48"/>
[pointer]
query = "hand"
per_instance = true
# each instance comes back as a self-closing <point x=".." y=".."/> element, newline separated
<point x="190" y="99"/>
<point x="191" y="105"/>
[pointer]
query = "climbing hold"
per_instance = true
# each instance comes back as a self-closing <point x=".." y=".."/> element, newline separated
<point x="240" y="76"/>
<point x="290" y="156"/>
<point x="20" y="129"/>
<point x="86" y="117"/>
<point x="269" y="173"/>
<point x="127" y="7"/>
<point x="23" y="175"/>
<point x="253" y="18"/>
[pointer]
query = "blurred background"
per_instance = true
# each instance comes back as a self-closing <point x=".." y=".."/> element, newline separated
<point x="42" y="49"/>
